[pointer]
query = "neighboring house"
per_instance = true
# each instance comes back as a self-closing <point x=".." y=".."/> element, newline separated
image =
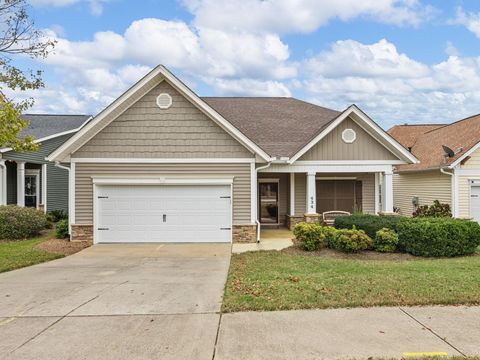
<point x="162" y="164"/>
<point x="27" y="178"/>
<point x="449" y="168"/>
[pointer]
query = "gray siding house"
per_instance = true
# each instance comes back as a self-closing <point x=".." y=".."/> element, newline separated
<point x="27" y="178"/>
<point x="161" y="164"/>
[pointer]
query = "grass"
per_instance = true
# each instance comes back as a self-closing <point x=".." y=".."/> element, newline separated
<point x="21" y="253"/>
<point x="271" y="280"/>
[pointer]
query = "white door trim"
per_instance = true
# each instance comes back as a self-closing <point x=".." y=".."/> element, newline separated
<point x="36" y="173"/>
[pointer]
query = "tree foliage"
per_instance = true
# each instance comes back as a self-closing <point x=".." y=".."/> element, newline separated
<point x="18" y="37"/>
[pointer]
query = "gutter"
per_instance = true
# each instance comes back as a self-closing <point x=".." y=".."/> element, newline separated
<point x="453" y="193"/>
<point x="256" y="177"/>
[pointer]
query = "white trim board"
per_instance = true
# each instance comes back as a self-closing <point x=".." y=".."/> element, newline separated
<point x="164" y="161"/>
<point x="274" y="168"/>
<point x="349" y="162"/>
<point x="368" y="123"/>
<point x="99" y="180"/>
<point x="468" y="153"/>
<point x="82" y="137"/>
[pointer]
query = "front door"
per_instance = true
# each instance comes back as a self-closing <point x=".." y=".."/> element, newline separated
<point x="268" y="202"/>
<point x="31" y="190"/>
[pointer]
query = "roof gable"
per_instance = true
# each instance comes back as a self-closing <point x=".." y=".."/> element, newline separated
<point x="131" y="96"/>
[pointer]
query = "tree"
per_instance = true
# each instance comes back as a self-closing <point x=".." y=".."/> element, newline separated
<point x="18" y="36"/>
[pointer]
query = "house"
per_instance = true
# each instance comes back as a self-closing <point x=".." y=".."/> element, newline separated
<point x="449" y="167"/>
<point x="162" y="164"/>
<point x="27" y="178"/>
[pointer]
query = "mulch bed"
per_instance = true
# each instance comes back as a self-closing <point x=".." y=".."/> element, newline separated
<point x="62" y="246"/>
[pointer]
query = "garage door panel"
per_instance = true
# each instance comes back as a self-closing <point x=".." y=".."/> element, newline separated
<point x="163" y="213"/>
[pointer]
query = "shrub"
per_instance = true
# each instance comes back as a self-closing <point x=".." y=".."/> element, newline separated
<point x="20" y="222"/>
<point x="438" y="236"/>
<point x="385" y="240"/>
<point x="57" y="215"/>
<point x="310" y="236"/>
<point x="61" y="229"/>
<point x="368" y="223"/>
<point x="351" y="240"/>
<point x="329" y="232"/>
<point x="436" y="210"/>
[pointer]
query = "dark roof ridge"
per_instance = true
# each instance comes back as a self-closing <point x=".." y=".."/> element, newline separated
<point x="453" y="123"/>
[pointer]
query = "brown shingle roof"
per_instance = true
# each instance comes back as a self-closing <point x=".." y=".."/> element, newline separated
<point x="280" y="126"/>
<point x="459" y="136"/>
<point x="407" y="135"/>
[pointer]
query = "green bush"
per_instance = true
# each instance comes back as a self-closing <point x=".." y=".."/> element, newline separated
<point x="310" y="236"/>
<point x="438" y="236"/>
<point x="386" y="240"/>
<point x="20" y="222"/>
<point x="368" y="223"/>
<point x="436" y="210"/>
<point x="57" y="215"/>
<point x="329" y="232"/>
<point x="61" y="229"/>
<point x="351" y="240"/>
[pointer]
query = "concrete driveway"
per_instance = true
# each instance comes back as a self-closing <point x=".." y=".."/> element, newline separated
<point x="116" y="302"/>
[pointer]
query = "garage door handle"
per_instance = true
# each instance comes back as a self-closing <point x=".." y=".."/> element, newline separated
<point x="225" y="228"/>
<point x="225" y="197"/>
<point x="103" y="229"/>
<point x="164" y="218"/>
<point x="103" y="197"/>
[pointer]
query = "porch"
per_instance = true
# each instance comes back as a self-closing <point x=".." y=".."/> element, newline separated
<point x="285" y="198"/>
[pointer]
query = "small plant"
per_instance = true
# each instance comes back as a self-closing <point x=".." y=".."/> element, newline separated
<point x="386" y="240"/>
<point x="436" y="210"/>
<point x="61" y="229"/>
<point x="57" y="215"/>
<point x="20" y="222"/>
<point x="310" y="236"/>
<point x="351" y="240"/>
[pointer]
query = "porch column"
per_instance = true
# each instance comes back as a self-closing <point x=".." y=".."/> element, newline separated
<point x="377" y="193"/>
<point x="3" y="183"/>
<point x="292" y="194"/>
<point x="387" y="192"/>
<point x="21" y="183"/>
<point x="311" y="194"/>
<point x="44" y="187"/>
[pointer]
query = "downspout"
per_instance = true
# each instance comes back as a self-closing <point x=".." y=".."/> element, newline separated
<point x="57" y="164"/>
<point x="4" y="182"/>
<point x="452" y="190"/>
<point x="256" y="177"/>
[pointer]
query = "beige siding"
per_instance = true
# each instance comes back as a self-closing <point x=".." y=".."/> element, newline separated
<point x="332" y="147"/>
<point x="85" y="171"/>
<point x="464" y="184"/>
<point x="368" y="189"/>
<point x="300" y="193"/>
<point x="284" y="192"/>
<point x="146" y="131"/>
<point x="427" y="185"/>
<point x="473" y="162"/>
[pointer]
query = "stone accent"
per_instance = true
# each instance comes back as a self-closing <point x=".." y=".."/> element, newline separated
<point x="292" y="220"/>
<point x="82" y="233"/>
<point x="244" y="233"/>
<point x="312" y="218"/>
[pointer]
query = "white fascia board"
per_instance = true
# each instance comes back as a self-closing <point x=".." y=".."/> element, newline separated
<point x="347" y="168"/>
<point x="353" y="109"/>
<point x="53" y="136"/>
<point x="63" y="151"/>
<point x="100" y="180"/>
<point x="165" y="161"/>
<point x="468" y="153"/>
<point x="349" y="162"/>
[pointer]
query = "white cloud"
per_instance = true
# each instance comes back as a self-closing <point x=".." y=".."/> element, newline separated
<point x="249" y="87"/>
<point x="390" y="86"/>
<point x="470" y="20"/>
<point x="283" y="16"/>
<point x="95" y="6"/>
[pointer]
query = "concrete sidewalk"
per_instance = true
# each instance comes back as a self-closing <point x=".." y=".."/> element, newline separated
<point x="349" y="333"/>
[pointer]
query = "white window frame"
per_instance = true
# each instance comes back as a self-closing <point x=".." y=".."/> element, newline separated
<point x="36" y="173"/>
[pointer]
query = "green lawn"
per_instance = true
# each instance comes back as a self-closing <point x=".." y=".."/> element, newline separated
<point x="280" y="281"/>
<point x="17" y="254"/>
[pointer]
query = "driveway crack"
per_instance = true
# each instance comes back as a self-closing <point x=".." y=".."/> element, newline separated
<point x="216" y="336"/>
<point x="433" y="332"/>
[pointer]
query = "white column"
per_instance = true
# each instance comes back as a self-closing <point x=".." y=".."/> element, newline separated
<point x="44" y="187"/>
<point x="388" y="192"/>
<point x="311" y="194"/>
<point x="292" y="194"/>
<point x="21" y="183"/>
<point x="377" y="193"/>
<point x="3" y="183"/>
<point x="253" y="193"/>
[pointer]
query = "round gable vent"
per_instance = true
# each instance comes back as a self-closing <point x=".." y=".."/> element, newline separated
<point x="349" y="136"/>
<point x="164" y="101"/>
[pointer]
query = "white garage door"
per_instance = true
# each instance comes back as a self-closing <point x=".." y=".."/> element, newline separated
<point x="475" y="202"/>
<point x="163" y="213"/>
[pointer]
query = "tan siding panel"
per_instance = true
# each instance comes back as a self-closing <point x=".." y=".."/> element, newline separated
<point x="85" y="171"/>
<point x="146" y="131"/>
<point x="473" y="162"/>
<point x="427" y="185"/>
<point x="332" y="147"/>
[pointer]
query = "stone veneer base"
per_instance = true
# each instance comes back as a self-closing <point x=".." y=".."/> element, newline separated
<point x="82" y="232"/>
<point x="244" y="233"/>
<point x="292" y="220"/>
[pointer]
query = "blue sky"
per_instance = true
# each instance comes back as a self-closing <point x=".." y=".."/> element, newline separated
<point x="399" y="60"/>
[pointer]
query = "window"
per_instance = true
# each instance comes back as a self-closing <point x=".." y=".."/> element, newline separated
<point x="268" y="202"/>
<point x="344" y="195"/>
